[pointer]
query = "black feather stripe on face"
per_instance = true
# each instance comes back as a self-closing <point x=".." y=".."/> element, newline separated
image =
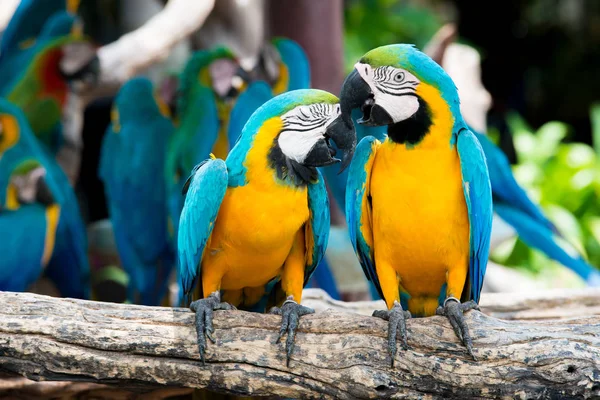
<point x="289" y="170"/>
<point x="411" y="131"/>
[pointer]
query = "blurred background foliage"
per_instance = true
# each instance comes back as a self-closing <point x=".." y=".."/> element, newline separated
<point x="564" y="178"/>
<point x="373" y="23"/>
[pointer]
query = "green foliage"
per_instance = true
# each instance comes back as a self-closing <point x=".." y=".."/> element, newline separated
<point x="374" y="23"/>
<point x="564" y="178"/>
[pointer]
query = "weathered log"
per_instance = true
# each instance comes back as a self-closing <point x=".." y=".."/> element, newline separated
<point x="337" y="355"/>
<point x="18" y="387"/>
<point x="536" y="305"/>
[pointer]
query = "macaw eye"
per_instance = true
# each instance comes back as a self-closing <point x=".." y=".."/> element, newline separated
<point x="399" y="77"/>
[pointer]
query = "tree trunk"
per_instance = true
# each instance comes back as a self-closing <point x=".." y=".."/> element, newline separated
<point x="337" y="354"/>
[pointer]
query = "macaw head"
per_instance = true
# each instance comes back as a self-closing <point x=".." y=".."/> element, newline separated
<point x="396" y="83"/>
<point x="295" y="130"/>
<point x="283" y="63"/>
<point x="22" y="174"/>
<point x="137" y="101"/>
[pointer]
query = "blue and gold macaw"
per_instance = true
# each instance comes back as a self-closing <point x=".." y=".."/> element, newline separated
<point x="131" y="167"/>
<point x="40" y="223"/>
<point x="512" y="205"/>
<point x="255" y="226"/>
<point x="285" y="66"/>
<point x="418" y="204"/>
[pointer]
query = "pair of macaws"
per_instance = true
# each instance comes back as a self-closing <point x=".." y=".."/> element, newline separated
<point x="40" y="224"/>
<point x="143" y="209"/>
<point x="418" y="206"/>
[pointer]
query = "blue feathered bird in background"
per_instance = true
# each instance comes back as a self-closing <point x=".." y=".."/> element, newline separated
<point x="132" y="166"/>
<point x="40" y="222"/>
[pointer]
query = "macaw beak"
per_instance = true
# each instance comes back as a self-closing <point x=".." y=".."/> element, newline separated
<point x="343" y="135"/>
<point x="80" y="64"/>
<point x="43" y="193"/>
<point x="356" y="93"/>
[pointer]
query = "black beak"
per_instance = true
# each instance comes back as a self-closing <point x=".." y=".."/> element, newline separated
<point x="344" y="138"/>
<point x="356" y="93"/>
<point x="43" y="195"/>
<point x="81" y="65"/>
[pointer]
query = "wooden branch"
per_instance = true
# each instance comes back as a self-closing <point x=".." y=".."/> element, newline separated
<point x="150" y="43"/>
<point x="337" y="354"/>
<point x="536" y="305"/>
<point x="6" y="12"/>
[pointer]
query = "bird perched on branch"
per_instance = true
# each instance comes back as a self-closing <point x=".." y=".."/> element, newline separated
<point x="418" y="204"/>
<point x="255" y="226"/>
<point x="41" y="229"/>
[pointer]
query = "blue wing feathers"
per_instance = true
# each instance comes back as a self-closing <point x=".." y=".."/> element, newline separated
<point x="318" y="204"/>
<point x="356" y="194"/>
<point x="478" y="196"/>
<point x="542" y="238"/>
<point x="202" y="202"/>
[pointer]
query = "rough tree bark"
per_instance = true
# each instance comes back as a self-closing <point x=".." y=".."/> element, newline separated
<point x="535" y="305"/>
<point x="337" y="354"/>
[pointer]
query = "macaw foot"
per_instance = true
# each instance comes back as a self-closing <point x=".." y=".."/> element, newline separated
<point x="397" y="327"/>
<point x="454" y="310"/>
<point x="290" y="313"/>
<point x="204" y="318"/>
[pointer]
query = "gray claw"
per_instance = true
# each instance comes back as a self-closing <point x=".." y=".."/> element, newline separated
<point x="454" y="311"/>
<point x="204" y="319"/>
<point x="290" y="313"/>
<point x="397" y="319"/>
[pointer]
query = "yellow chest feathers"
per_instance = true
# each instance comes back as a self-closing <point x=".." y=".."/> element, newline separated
<point x="266" y="209"/>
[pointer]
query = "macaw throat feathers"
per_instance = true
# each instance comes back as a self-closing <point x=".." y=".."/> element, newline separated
<point x="411" y="131"/>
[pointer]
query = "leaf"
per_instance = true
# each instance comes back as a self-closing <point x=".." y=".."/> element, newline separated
<point x="548" y="137"/>
<point x="567" y="224"/>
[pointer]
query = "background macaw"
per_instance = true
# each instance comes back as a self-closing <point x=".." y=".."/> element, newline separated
<point x="41" y="90"/>
<point x="131" y="167"/>
<point x="284" y="65"/>
<point x="40" y="222"/>
<point x="418" y="205"/>
<point x="255" y="226"/>
<point x="201" y="117"/>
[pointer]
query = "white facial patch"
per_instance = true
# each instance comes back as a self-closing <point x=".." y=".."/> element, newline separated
<point x="303" y="127"/>
<point x="394" y="89"/>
